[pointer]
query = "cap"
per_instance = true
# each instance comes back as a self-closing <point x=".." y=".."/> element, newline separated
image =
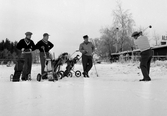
<point x="85" y="36"/>
<point x="46" y="34"/>
<point x="135" y="33"/>
<point x="28" y="33"/>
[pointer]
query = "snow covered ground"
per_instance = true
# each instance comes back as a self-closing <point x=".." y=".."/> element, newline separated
<point x="116" y="92"/>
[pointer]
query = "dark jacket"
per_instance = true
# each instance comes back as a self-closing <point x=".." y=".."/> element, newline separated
<point x="28" y="45"/>
<point x="48" y="45"/>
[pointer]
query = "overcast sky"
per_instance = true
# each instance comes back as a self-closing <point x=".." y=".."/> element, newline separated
<point x="68" y="20"/>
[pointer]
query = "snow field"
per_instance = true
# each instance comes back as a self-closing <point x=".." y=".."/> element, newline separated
<point x="116" y="92"/>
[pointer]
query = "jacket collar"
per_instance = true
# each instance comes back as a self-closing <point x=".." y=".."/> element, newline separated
<point x="46" y="42"/>
<point x="86" y="42"/>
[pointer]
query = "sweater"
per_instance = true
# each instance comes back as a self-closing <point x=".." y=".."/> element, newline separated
<point x="47" y="45"/>
<point x="87" y="48"/>
<point x="27" y="44"/>
<point x="142" y="43"/>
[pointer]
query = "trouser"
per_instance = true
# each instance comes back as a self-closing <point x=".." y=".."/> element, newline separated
<point x="42" y="60"/>
<point x="27" y="65"/>
<point x="145" y="62"/>
<point x="16" y="76"/>
<point x="87" y="63"/>
<point x="18" y="69"/>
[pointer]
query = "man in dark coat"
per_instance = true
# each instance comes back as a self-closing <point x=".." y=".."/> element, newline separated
<point x="26" y="45"/>
<point x="87" y="49"/>
<point x="42" y="45"/>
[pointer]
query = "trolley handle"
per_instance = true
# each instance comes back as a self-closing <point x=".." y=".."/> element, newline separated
<point x="44" y="51"/>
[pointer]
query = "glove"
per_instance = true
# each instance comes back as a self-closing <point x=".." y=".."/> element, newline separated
<point x="42" y="47"/>
<point x="27" y="50"/>
<point x="22" y="50"/>
<point x="84" y="52"/>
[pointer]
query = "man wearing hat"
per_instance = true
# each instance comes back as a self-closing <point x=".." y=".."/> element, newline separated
<point x="87" y="49"/>
<point x="26" y="45"/>
<point x="146" y="54"/>
<point x="42" y="45"/>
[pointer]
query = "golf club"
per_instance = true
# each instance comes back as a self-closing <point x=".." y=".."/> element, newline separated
<point x="75" y="52"/>
<point x="147" y="27"/>
<point x="95" y="68"/>
<point x="141" y="32"/>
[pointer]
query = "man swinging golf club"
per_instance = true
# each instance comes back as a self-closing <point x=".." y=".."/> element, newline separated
<point x="146" y="54"/>
<point x="87" y="49"/>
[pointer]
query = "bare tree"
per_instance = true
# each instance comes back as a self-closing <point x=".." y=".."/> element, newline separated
<point x="156" y="38"/>
<point x="118" y="36"/>
<point x="105" y="45"/>
<point x="124" y="22"/>
<point x="109" y="40"/>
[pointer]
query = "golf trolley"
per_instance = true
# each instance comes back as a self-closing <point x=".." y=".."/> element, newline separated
<point x="70" y="68"/>
<point x="52" y="67"/>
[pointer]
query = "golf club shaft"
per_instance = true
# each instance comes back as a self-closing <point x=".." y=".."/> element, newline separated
<point x="147" y="28"/>
<point x="44" y="52"/>
<point x="74" y="52"/>
<point x="95" y="68"/>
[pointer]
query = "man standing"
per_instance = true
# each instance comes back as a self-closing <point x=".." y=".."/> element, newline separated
<point x="87" y="49"/>
<point x="26" y="45"/>
<point x="146" y="54"/>
<point x="42" y="45"/>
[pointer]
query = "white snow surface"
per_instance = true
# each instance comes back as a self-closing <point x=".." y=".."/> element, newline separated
<point x="116" y="92"/>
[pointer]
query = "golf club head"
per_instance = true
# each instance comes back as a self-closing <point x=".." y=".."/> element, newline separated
<point x="147" y="28"/>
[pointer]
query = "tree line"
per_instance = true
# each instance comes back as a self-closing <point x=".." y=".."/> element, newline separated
<point x="8" y="49"/>
<point x="9" y="52"/>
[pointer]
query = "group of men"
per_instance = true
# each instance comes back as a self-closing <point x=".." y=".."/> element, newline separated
<point x="87" y="49"/>
<point x="26" y="46"/>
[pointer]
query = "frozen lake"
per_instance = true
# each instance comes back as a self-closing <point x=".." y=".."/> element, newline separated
<point x="116" y="92"/>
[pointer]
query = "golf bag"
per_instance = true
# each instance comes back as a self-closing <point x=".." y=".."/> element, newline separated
<point x="18" y="69"/>
<point x="70" y="65"/>
<point x="52" y="68"/>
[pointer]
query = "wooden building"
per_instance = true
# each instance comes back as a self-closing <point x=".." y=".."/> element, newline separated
<point x="159" y="53"/>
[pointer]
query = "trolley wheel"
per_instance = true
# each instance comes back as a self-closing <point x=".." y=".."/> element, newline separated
<point x="62" y="72"/>
<point x="29" y="77"/>
<point x="39" y="77"/>
<point x="69" y="74"/>
<point x="60" y="75"/>
<point x="11" y="77"/>
<point x="77" y="73"/>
